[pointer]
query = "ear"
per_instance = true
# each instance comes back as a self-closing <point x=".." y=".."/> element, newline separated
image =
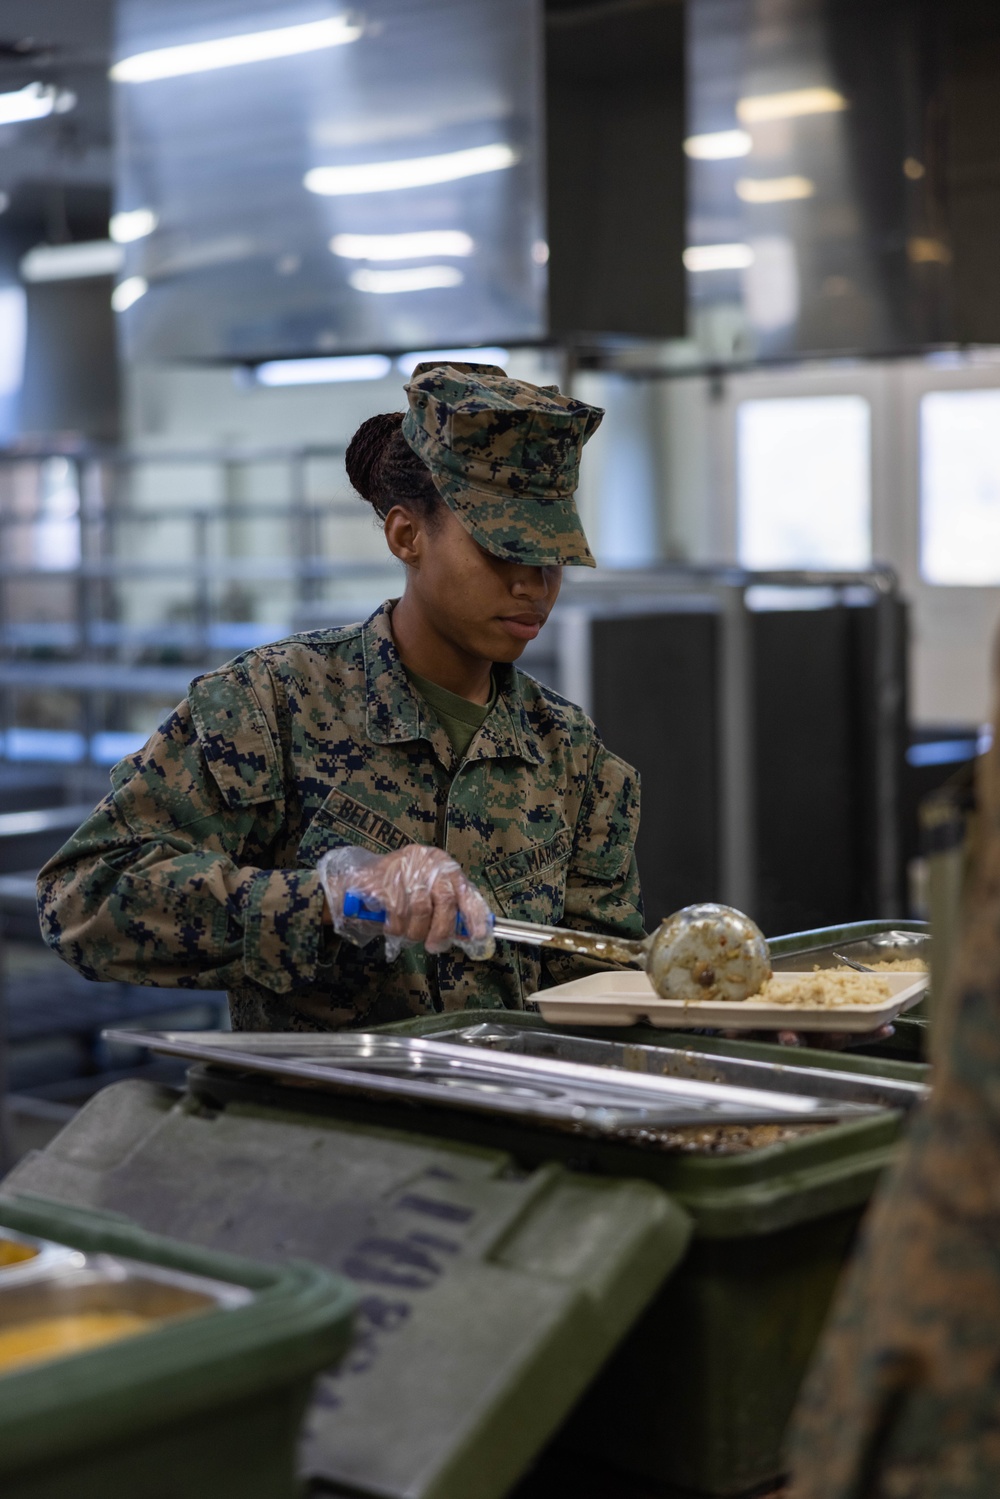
<point x="404" y="535"/>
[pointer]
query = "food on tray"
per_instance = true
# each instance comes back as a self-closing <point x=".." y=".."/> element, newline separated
<point x="899" y="965"/>
<point x="827" y="989"/>
<point x="708" y="952"/>
<point x="718" y="1139"/>
<point x="12" y="1253"/>
<point x="54" y="1337"/>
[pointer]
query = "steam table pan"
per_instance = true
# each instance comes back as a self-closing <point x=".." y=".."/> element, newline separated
<point x="891" y="945"/>
<point x="845" y="1086"/>
<point x="593" y="1093"/>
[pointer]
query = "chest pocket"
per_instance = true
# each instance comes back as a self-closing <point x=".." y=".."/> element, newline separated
<point x="341" y="821"/>
<point x="530" y="885"/>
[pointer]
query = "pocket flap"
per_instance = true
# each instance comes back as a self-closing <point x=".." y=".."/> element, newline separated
<point x="235" y="738"/>
<point x="609" y="821"/>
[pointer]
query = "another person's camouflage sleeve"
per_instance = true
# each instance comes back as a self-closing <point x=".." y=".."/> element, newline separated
<point x="903" y="1401"/>
<point x="602" y="885"/>
<point x="171" y="879"/>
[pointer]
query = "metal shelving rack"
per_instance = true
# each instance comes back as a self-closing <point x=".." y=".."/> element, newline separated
<point x="94" y="654"/>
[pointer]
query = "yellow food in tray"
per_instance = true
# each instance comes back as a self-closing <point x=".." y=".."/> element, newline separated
<point x="12" y="1253"/>
<point x="46" y="1338"/>
<point x="828" y="989"/>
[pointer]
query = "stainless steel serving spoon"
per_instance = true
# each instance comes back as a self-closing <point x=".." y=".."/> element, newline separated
<point x="852" y="963"/>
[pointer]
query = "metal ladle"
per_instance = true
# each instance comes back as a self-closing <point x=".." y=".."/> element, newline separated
<point x="702" y="952"/>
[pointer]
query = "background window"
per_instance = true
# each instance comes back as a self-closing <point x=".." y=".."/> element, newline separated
<point x="960" y="487"/>
<point x="804" y="482"/>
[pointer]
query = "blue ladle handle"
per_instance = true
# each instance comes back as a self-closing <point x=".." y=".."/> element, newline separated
<point x="363" y="908"/>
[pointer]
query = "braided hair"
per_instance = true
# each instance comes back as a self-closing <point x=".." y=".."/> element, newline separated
<point x="385" y="470"/>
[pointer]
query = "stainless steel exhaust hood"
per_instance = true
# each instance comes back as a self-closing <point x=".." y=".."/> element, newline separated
<point x="306" y="179"/>
<point x="844" y="175"/>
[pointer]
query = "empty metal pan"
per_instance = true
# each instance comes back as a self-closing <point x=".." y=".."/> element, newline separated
<point x="567" y="1092"/>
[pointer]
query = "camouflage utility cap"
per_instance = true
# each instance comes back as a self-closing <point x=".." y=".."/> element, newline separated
<point x="505" y="457"/>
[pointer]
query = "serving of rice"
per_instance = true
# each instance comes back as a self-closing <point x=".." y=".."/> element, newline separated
<point x="825" y="989"/>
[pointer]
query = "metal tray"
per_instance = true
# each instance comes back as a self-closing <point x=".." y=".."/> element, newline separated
<point x="40" y="1257"/>
<point x="882" y="947"/>
<point x="597" y="1099"/>
<point x="73" y="1281"/>
<point x="670" y="1061"/>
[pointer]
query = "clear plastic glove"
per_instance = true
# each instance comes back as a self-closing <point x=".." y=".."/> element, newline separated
<point x="422" y="891"/>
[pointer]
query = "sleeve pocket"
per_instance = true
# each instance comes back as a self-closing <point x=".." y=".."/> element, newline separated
<point x="609" y="821"/>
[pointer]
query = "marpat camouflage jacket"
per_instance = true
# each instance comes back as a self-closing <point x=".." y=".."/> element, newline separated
<point x="198" y="870"/>
<point x="903" y="1401"/>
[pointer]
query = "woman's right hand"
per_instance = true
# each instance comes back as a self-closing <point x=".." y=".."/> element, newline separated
<point x="421" y="889"/>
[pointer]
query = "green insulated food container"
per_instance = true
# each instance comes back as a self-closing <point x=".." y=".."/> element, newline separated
<point x="698" y="1396"/>
<point x="491" y="1291"/>
<point x="209" y="1402"/>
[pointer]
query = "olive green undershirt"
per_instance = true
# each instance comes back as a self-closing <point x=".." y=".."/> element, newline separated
<point x="460" y="719"/>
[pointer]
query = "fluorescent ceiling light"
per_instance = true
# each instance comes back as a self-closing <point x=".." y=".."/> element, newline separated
<point x="127" y="292"/>
<point x="415" y="278"/>
<point x="134" y="223"/>
<point x="414" y="171"/>
<point x="774" y="189"/>
<point x="718" y="257"/>
<point x="92" y="257"/>
<point x="407" y="363"/>
<point x="33" y="102"/>
<point x="323" y="371"/>
<point x="402" y="246"/>
<point x="232" y="51"/>
<point x="718" y="145"/>
<point x="758" y="108"/>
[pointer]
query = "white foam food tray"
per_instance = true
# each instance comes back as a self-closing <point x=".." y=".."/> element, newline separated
<point x="627" y="998"/>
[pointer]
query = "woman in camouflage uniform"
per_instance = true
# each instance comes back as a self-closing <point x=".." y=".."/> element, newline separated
<point x="412" y="737"/>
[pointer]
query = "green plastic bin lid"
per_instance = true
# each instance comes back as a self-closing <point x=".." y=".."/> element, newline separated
<point x="489" y="1295"/>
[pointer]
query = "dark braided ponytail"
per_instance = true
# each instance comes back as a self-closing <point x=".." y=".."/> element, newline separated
<point x="385" y="470"/>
